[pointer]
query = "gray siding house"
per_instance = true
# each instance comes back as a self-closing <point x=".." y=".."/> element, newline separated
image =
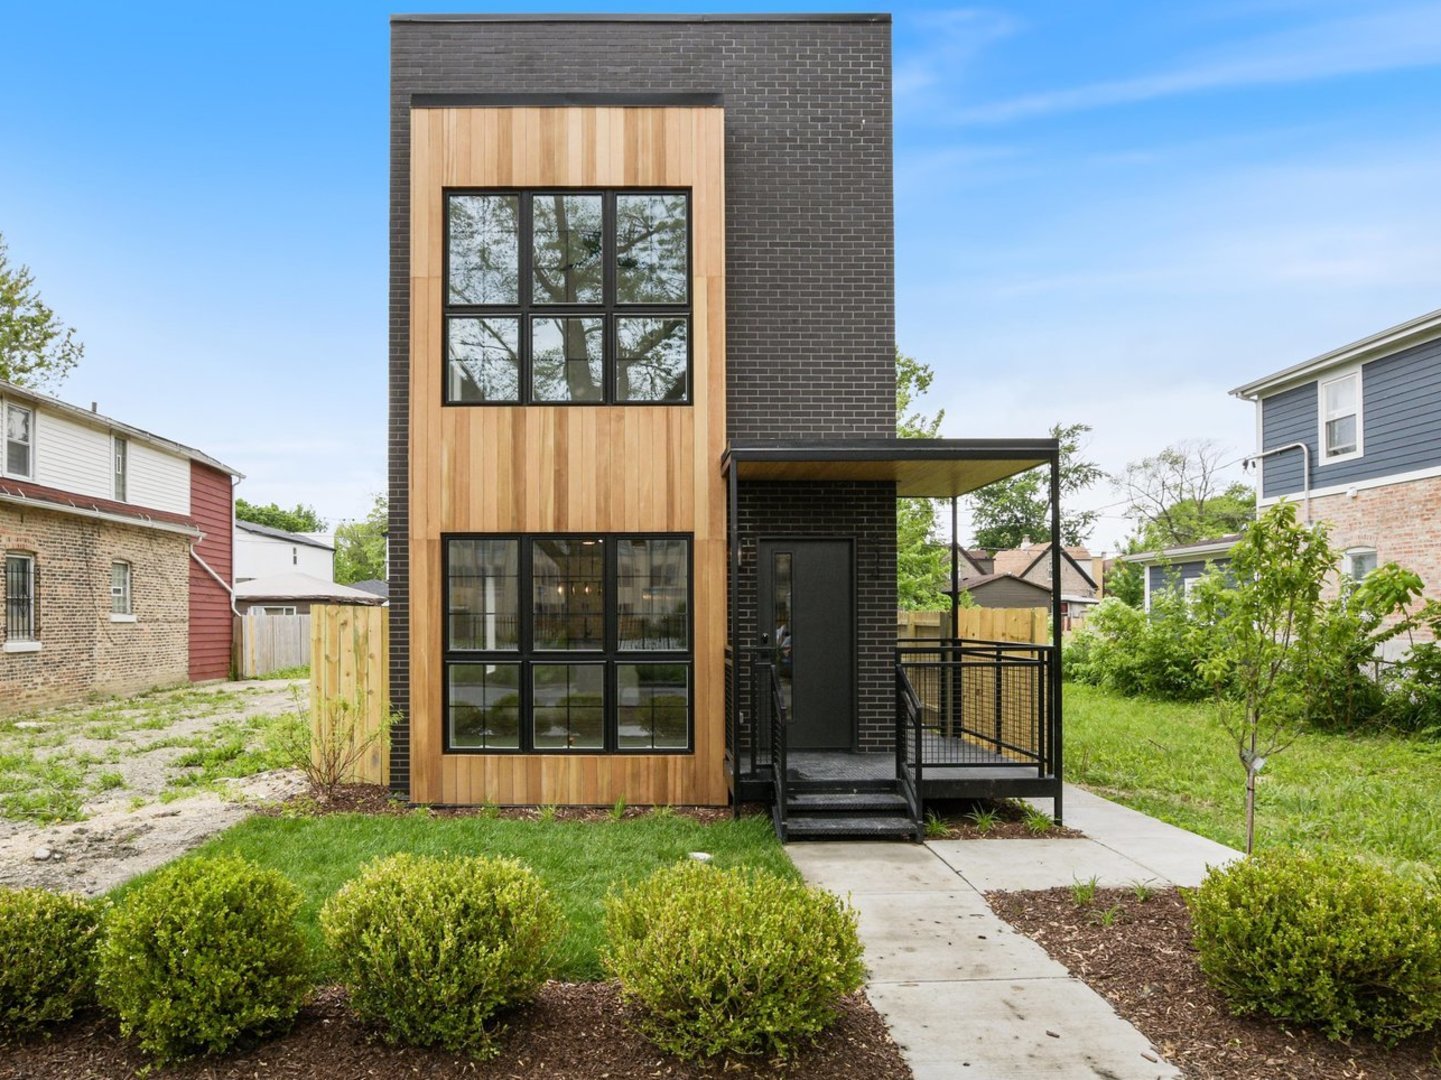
<point x="1353" y="436"/>
<point x="1179" y="567"/>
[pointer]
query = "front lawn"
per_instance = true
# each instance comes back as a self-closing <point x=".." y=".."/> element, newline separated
<point x="580" y="862"/>
<point x="1375" y="796"/>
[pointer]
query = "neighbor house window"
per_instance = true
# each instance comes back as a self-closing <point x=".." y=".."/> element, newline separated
<point x="567" y="643"/>
<point x="20" y="442"/>
<point x="21" y="622"/>
<point x="121" y="454"/>
<point x="567" y="297"/>
<point x="120" y="588"/>
<point x="1341" y="416"/>
<point x="1360" y="562"/>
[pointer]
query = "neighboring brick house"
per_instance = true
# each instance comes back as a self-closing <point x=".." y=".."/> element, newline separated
<point x="117" y="556"/>
<point x="1353" y="437"/>
<point x="643" y="462"/>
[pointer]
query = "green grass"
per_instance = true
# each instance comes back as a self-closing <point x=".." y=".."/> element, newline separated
<point x="1376" y="796"/>
<point x="300" y="672"/>
<point x="579" y="862"/>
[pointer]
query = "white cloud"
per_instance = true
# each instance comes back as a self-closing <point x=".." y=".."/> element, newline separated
<point x="1375" y="41"/>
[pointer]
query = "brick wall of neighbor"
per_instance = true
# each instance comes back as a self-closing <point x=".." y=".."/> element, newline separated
<point x="1400" y="521"/>
<point x="82" y="651"/>
<point x="810" y="254"/>
<point x="866" y="512"/>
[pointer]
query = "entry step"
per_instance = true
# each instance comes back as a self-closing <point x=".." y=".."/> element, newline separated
<point x="846" y="803"/>
<point x="873" y="826"/>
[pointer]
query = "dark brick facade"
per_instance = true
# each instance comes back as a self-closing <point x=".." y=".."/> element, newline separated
<point x="810" y="319"/>
<point x="867" y="513"/>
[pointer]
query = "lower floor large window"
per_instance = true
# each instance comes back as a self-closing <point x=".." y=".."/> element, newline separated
<point x="561" y="644"/>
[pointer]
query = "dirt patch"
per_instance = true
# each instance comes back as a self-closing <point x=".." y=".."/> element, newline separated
<point x="100" y="793"/>
<point x="1144" y="965"/>
<point x="959" y="819"/>
<point x="574" y="1030"/>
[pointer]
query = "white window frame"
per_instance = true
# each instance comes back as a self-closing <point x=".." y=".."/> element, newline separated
<point x="5" y="408"/>
<point x="31" y="642"/>
<point x="125" y="613"/>
<point x="1352" y="554"/>
<point x="1325" y="456"/>
<point x="272" y="609"/>
<point x="120" y="467"/>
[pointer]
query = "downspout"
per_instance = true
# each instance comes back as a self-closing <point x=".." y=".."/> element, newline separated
<point x="218" y="579"/>
<point x="1305" y="473"/>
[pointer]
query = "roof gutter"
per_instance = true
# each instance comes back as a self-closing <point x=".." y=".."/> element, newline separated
<point x="97" y="515"/>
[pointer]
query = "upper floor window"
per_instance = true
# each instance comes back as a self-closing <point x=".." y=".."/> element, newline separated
<point x="121" y="455"/>
<point x="567" y="297"/>
<point x="1341" y="417"/>
<point x="20" y="442"/>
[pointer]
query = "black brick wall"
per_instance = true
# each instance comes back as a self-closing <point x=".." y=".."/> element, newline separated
<point x="810" y="319"/>
<point x="866" y="512"/>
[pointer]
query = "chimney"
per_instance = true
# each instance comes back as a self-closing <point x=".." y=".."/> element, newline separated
<point x="95" y="406"/>
<point x="1025" y="543"/>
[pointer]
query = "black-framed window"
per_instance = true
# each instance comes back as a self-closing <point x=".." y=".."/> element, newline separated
<point x="567" y="296"/>
<point x="568" y="643"/>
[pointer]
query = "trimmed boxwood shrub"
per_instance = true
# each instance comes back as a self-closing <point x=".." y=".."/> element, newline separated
<point x="47" y="958"/>
<point x="431" y="948"/>
<point x="730" y="961"/>
<point x="205" y="955"/>
<point x="1326" y="940"/>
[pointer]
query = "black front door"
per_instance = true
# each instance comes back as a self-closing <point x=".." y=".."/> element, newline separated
<point x="807" y="616"/>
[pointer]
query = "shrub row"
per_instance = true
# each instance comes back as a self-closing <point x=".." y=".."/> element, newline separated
<point x="1330" y="941"/>
<point x="207" y="955"/>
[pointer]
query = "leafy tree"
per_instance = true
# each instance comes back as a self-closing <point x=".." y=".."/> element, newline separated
<point x="1125" y="581"/>
<point x="360" y="546"/>
<point x="1176" y="497"/>
<point x="36" y="349"/>
<point x="302" y="519"/>
<point x="1262" y="620"/>
<point x="1007" y="512"/>
<point x="922" y="561"/>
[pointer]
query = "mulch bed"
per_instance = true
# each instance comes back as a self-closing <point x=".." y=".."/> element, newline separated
<point x="1144" y="965"/>
<point x="573" y="1030"/>
<point x="1010" y="823"/>
<point x="374" y="799"/>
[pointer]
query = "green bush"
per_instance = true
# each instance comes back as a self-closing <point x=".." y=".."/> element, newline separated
<point x="431" y="948"/>
<point x="730" y="961"/>
<point x="48" y="944"/>
<point x="1130" y="652"/>
<point x="1324" y="940"/>
<point x="204" y="955"/>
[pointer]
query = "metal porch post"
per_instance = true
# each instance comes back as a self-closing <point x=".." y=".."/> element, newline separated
<point x="955" y="576"/>
<point x="1055" y="687"/>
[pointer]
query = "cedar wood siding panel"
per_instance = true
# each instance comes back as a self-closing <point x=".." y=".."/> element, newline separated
<point x="1401" y="424"/>
<point x="558" y="469"/>
<point x="211" y="493"/>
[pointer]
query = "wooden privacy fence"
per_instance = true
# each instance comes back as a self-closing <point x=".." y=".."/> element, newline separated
<point x="266" y="643"/>
<point x="977" y="624"/>
<point x="350" y="677"/>
<point x="987" y="698"/>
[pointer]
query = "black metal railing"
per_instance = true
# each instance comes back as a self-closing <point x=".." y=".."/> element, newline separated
<point x="910" y="741"/>
<point x="770" y="709"/>
<point x="978" y="703"/>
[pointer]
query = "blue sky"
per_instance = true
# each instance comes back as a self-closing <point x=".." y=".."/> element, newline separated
<point x="1109" y="212"/>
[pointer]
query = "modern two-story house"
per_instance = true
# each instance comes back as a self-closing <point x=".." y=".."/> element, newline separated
<point x="117" y="556"/>
<point x="643" y="464"/>
<point x="1353" y="436"/>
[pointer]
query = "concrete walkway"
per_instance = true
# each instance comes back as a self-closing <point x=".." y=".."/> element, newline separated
<point x="967" y="996"/>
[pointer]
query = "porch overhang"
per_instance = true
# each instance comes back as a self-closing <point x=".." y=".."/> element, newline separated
<point x="920" y="468"/>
